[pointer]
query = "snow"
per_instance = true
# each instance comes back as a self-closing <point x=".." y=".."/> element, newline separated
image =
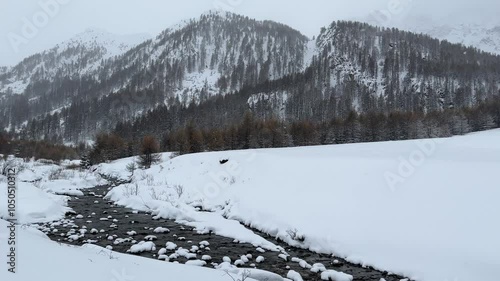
<point x="196" y="263"/>
<point x="143" y="246"/>
<point x="88" y="262"/>
<point x="115" y="44"/>
<point x="170" y="246"/>
<point x="34" y="205"/>
<point x="335" y="276"/>
<point x="161" y="230"/>
<point x="294" y="275"/>
<point x="318" y="267"/>
<point x="420" y="208"/>
<point x="311" y="51"/>
<point x="37" y="186"/>
<point x="256" y="274"/>
<point x="62" y="187"/>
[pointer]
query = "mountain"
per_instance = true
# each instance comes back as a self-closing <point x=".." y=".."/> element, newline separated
<point x="214" y="54"/>
<point x="213" y="69"/>
<point x="362" y="68"/>
<point x="359" y="74"/>
<point x="77" y="56"/>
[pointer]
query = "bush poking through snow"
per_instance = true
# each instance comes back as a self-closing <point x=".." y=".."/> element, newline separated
<point x="179" y="189"/>
<point x="55" y="174"/>
<point x="131" y="190"/>
<point x="158" y="196"/>
<point x="244" y="275"/>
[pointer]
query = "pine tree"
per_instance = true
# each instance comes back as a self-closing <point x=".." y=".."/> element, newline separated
<point x="85" y="162"/>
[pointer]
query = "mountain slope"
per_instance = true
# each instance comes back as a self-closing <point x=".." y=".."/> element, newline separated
<point x="215" y="54"/>
<point x="77" y="56"/>
<point x="358" y="67"/>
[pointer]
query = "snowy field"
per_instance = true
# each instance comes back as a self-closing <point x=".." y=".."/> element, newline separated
<point x="425" y="209"/>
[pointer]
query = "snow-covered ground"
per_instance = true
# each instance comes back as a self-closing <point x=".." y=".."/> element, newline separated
<point x="39" y="185"/>
<point x="41" y="190"/>
<point x="42" y="259"/>
<point x="425" y="209"/>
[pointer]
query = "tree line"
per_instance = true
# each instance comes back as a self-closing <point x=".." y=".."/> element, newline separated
<point x="36" y="149"/>
<point x="252" y="132"/>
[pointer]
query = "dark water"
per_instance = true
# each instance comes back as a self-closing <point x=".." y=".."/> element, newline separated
<point x="121" y="220"/>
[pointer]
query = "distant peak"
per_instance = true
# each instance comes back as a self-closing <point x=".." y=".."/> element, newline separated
<point x="95" y="30"/>
<point x="219" y="12"/>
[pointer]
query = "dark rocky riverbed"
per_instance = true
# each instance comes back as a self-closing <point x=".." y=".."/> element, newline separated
<point x="100" y="222"/>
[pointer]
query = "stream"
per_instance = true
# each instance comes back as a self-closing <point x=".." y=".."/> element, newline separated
<point x="120" y="228"/>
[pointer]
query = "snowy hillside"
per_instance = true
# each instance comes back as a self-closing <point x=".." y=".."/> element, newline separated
<point x="214" y="54"/>
<point x="113" y="44"/>
<point x="77" y="56"/>
<point x="422" y="208"/>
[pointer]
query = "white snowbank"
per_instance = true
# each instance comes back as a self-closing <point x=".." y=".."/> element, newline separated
<point x="33" y="205"/>
<point x="37" y="185"/>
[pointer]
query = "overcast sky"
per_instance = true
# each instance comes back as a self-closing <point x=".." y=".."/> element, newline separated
<point x="61" y="19"/>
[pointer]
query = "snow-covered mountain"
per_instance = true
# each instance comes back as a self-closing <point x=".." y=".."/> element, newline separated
<point x="273" y="69"/>
<point x="214" y="54"/>
<point x="485" y="37"/>
<point x="80" y="55"/>
<point x="113" y="44"/>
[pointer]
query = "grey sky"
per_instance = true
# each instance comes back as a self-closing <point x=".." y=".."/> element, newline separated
<point x="152" y="16"/>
